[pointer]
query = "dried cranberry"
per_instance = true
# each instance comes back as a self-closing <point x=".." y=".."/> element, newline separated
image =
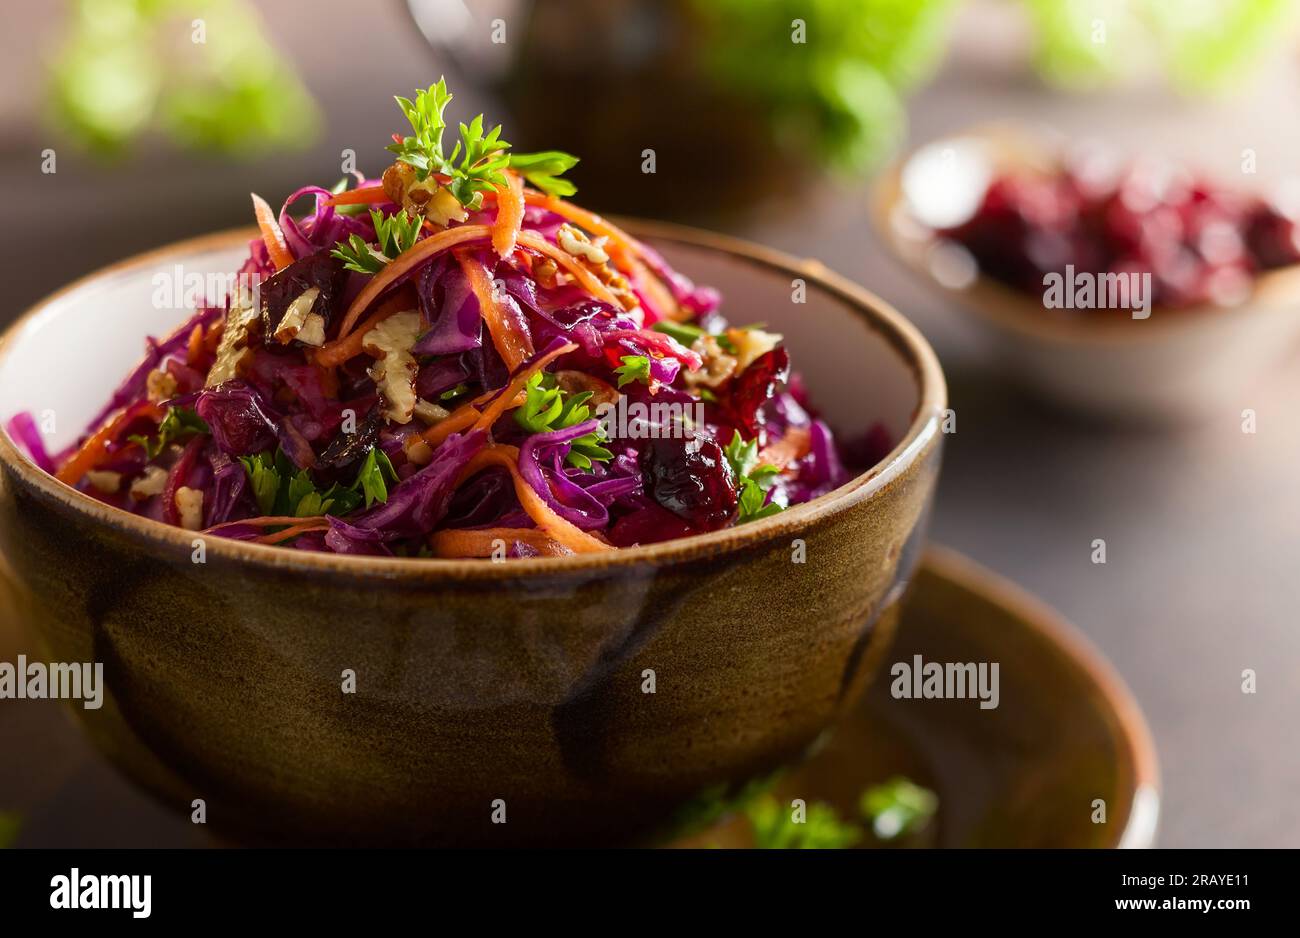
<point x="690" y="476"/>
<point x="1273" y="238"/>
<point x="743" y="396"/>
<point x="318" y="270"/>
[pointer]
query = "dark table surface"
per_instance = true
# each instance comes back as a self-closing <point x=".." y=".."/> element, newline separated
<point x="1202" y="524"/>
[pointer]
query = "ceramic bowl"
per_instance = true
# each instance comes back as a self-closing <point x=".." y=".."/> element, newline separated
<point x="480" y="688"/>
<point x="1175" y="365"/>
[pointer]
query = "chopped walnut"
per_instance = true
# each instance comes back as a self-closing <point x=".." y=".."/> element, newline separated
<point x="430" y="412"/>
<point x="575" y="382"/>
<point x="716" y="365"/>
<point x="160" y="385"/>
<point x="592" y="255"/>
<point x="424" y="198"/>
<point x="296" y="315"/>
<point x="104" y="481"/>
<point x="150" y="483"/>
<point x="750" y="344"/>
<point x="235" y="337"/>
<point x="418" y="450"/>
<point x="575" y="242"/>
<point x="189" y="505"/>
<point x="394" y="370"/>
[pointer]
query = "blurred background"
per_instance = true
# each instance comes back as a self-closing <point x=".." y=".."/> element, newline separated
<point x="159" y="116"/>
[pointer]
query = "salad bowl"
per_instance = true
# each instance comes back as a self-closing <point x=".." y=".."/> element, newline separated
<point x="1161" y="365"/>
<point x="305" y="697"/>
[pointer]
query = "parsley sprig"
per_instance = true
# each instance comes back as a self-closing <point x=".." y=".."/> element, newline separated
<point x="179" y="426"/>
<point x="548" y="408"/>
<point x="394" y="234"/>
<point x="477" y="163"/>
<point x="753" y="480"/>
<point x="281" y="489"/>
<point x="634" y="368"/>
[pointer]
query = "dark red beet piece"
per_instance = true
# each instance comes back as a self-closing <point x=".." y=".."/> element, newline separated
<point x="690" y="477"/>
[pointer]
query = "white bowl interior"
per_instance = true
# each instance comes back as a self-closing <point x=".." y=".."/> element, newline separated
<point x="64" y="362"/>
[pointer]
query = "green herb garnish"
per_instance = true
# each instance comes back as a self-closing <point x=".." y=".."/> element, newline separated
<point x="897" y="807"/>
<point x="178" y="426"/>
<point x="479" y="159"/>
<point x="634" y="368"/>
<point x="547" y="409"/>
<point x="753" y="480"/>
<point x="394" y="234"/>
<point x="775" y="828"/>
<point x="282" y="490"/>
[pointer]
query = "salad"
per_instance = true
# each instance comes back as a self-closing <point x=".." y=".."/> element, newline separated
<point x="452" y="360"/>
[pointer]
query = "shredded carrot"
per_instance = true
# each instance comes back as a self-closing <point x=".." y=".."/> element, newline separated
<point x="484" y="542"/>
<point x="780" y="453"/>
<point x="366" y="195"/>
<point x="466" y="415"/>
<point x="622" y="248"/>
<point x="513" y="343"/>
<point x="194" y="349"/>
<point x="510" y="215"/>
<point x="264" y="521"/>
<point x="509" y="397"/>
<point x="95" y="449"/>
<point x="345" y="349"/>
<point x="300" y="527"/>
<point x="590" y="281"/>
<point x="561" y="531"/>
<point x="403" y="263"/>
<point x="272" y="236"/>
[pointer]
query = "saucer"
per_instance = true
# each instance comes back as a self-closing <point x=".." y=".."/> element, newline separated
<point x="1065" y="736"/>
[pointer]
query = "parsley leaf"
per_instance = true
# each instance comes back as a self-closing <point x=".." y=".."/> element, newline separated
<point x="479" y="159"/>
<point x="541" y="169"/>
<point x="634" y="368"/>
<point x="897" y="807"/>
<point x="281" y="490"/>
<point x="374" y="475"/>
<point x="775" y="828"/>
<point x="394" y="235"/>
<point x="549" y="408"/>
<point x="179" y="425"/>
<point x="754" y="480"/>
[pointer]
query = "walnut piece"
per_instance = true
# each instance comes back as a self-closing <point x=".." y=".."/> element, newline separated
<point x="394" y="370"/>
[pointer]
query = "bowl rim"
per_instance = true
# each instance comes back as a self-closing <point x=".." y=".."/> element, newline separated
<point x="1002" y="305"/>
<point x="902" y="335"/>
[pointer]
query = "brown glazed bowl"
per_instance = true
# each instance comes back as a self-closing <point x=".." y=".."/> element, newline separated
<point x="479" y="685"/>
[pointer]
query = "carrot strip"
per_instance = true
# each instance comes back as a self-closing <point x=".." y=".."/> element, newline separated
<point x="194" y="347"/>
<point x="263" y="521"/>
<point x="466" y="415"/>
<point x="366" y="195"/>
<point x="509" y="396"/>
<point x="289" y="533"/>
<point x="589" y="281"/>
<point x="400" y="265"/>
<point x="780" y="453"/>
<point x="622" y="248"/>
<point x="345" y="349"/>
<point x="272" y="236"/>
<point x="513" y="343"/>
<point x="510" y="215"/>
<point x="561" y="531"/>
<point x="483" y="542"/>
<point x="95" y="449"/>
